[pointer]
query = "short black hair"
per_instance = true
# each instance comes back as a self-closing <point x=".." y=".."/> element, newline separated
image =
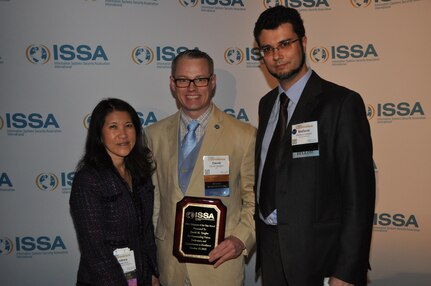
<point x="272" y="18"/>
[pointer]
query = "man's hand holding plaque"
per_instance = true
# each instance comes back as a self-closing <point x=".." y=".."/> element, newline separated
<point x="199" y="228"/>
<point x="230" y="248"/>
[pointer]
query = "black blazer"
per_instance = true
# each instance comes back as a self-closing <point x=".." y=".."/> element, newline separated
<point x="108" y="216"/>
<point x="325" y="204"/>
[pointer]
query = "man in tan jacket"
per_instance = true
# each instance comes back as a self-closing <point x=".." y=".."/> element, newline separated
<point x="193" y="83"/>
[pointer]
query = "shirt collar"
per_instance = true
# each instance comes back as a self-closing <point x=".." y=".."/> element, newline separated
<point x="203" y="119"/>
<point x="295" y="91"/>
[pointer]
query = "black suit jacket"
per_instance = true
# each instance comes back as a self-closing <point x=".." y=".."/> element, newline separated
<point x="325" y="204"/>
<point x="108" y="216"/>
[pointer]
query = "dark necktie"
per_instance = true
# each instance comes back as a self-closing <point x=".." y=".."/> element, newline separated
<point x="190" y="139"/>
<point x="268" y="179"/>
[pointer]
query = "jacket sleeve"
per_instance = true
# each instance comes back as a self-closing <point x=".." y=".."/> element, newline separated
<point x="86" y="207"/>
<point x="245" y="230"/>
<point x="156" y="208"/>
<point x="356" y="173"/>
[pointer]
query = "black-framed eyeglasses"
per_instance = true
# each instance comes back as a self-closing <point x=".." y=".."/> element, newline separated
<point x="283" y="45"/>
<point x="198" y="82"/>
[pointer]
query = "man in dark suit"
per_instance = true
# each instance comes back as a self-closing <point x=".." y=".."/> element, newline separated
<point x="315" y="181"/>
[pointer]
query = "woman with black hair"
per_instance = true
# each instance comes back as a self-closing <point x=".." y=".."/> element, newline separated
<point x="112" y="199"/>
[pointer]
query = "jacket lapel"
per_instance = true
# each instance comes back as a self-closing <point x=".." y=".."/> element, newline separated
<point x="307" y="105"/>
<point x="172" y="131"/>
<point x="264" y="113"/>
<point x="308" y="101"/>
<point x="213" y="135"/>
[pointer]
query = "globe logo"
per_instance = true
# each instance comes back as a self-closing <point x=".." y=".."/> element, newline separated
<point x="319" y="54"/>
<point x="271" y="3"/>
<point x="190" y="215"/>
<point x="6" y="246"/>
<point x="370" y="111"/>
<point x="233" y="56"/>
<point x="188" y="3"/>
<point x="46" y="182"/>
<point x="38" y="54"/>
<point x="142" y="55"/>
<point x="86" y="120"/>
<point x="360" y="3"/>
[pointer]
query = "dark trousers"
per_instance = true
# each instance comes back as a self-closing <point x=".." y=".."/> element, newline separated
<point x="270" y="259"/>
<point x="271" y="265"/>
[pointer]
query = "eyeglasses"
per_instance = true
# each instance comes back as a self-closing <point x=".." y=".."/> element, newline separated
<point x="198" y="82"/>
<point x="283" y="45"/>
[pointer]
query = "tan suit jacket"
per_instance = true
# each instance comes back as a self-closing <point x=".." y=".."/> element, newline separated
<point x="225" y="135"/>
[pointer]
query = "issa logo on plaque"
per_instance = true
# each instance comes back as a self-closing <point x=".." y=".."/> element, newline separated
<point x="199" y="228"/>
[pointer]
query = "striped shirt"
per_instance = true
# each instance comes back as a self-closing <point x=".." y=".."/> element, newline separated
<point x="203" y="123"/>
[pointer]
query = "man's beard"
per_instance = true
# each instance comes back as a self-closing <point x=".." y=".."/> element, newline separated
<point x="292" y="73"/>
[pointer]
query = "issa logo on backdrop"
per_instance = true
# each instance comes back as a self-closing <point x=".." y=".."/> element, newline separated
<point x="161" y="55"/>
<point x="344" y="54"/>
<point x="389" y="112"/>
<point x="48" y="181"/>
<point x="236" y="56"/>
<point x="384" y="222"/>
<point x="29" y="246"/>
<point x="214" y="5"/>
<point x="301" y="5"/>
<point x="19" y="124"/>
<point x="66" y="55"/>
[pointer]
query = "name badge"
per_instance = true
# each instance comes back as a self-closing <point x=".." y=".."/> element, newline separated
<point x="305" y="140"/>
<point x="126" y="258"/>
<point x="216" y="176"/>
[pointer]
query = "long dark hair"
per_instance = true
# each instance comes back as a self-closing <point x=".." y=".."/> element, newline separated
<point x="139" y="162"/>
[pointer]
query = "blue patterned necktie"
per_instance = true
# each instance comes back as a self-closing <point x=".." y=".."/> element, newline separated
<point x="190" y="139"/>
